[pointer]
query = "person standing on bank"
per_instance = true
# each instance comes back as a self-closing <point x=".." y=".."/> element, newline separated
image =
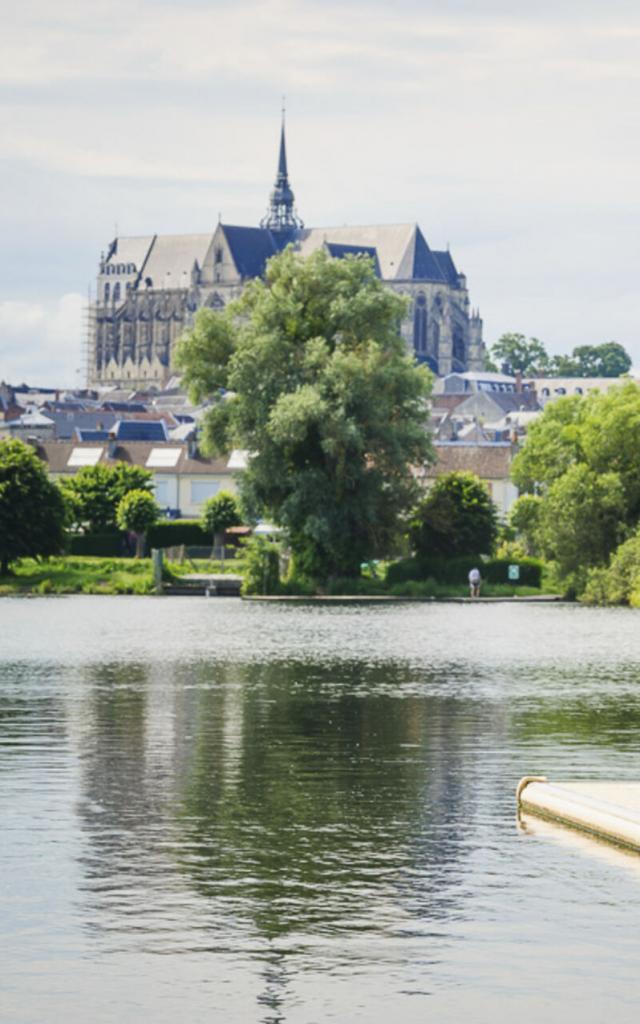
<point x="474" y="583"/>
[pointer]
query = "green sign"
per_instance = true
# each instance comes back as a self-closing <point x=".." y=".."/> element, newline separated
<point x="514" y="572"/>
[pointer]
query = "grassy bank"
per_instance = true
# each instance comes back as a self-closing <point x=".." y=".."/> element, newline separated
<point x="79" y="575"/>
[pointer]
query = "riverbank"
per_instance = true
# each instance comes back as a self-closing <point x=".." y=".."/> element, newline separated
<point x="77" y="574"/>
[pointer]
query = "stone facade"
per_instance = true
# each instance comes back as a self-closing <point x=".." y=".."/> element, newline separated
<point x="149" y="288"/>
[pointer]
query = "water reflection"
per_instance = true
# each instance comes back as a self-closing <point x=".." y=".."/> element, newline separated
<point x="279" y="829"/>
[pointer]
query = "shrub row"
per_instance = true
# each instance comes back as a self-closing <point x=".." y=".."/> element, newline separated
<point x="100" y="545"/>
<point x="456" y="570"/>
<point x="172" y="533"/>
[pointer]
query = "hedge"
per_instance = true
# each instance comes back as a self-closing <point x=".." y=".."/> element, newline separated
<point x="171" y="533"/>
<point x="100" y="545"/>
<point x="456" y="570"/>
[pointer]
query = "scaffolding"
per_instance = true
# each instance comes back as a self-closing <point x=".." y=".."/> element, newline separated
<point x="88" y="364"/>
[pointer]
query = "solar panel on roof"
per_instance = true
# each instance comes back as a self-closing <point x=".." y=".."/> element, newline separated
<point x="163" y="458"/>
<point x="140" y="430"/>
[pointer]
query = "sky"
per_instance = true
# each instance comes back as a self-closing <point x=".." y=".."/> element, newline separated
<point x="507" y="130"/>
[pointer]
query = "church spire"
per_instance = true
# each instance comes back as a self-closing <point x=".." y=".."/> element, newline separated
<point x="281" y="216"/>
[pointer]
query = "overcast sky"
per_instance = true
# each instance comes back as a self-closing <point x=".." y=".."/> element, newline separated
<point x="507" y="129"/>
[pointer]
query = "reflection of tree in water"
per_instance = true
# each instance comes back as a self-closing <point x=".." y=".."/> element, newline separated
<point x="117" y="807"/>
<point x="611" y="720"/>
<point x="331" y="798"/>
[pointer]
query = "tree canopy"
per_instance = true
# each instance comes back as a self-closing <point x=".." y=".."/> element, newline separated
<point x="456" y="517"/>
<point x="220" y="512"/>
<point x="32" y="509"/>
<point x="137" y="511"/>
<point x="94" y="492"/>
<point x="582" y="458"/>
<point x="322" y="393"/>
<point x="529" y="357"/>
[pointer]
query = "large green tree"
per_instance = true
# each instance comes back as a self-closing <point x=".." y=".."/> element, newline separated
<point x="456" y="517"/>
<point x="94" y="492"/>
<point x="582" y="458"/>
<point x="32" y="509"/>
<point x="521" y="354"/>
<point x="322" y="393"/>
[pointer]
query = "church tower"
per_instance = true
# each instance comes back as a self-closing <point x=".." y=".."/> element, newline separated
<point x="281" y="218"/>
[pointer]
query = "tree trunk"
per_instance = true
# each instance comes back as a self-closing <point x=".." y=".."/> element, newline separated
<point x="139" y="545"/>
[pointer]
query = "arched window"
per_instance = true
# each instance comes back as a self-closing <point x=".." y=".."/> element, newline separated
<point x="420" y="324"/>
<point x="107" y="289"/>
<point x="116" y="292"/>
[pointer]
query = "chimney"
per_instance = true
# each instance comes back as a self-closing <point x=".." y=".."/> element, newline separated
<point x="519" y="381"/>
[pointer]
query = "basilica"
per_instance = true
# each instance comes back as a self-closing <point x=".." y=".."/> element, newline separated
<point x="150" y="287"/>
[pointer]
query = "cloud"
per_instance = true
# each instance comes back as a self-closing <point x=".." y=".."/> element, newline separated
<point x="507" y="129"/>
<point x="41" y="343"/>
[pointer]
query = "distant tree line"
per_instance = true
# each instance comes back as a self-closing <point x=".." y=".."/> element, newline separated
<point x="528" y="356"/>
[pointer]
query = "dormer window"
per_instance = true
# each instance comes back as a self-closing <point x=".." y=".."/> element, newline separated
<point x="218" y="254"/>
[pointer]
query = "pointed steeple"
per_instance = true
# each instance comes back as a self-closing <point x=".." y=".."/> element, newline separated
<point x="281" y="216"/>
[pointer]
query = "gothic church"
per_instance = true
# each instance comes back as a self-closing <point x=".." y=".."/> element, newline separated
<point x="150" y="287"/>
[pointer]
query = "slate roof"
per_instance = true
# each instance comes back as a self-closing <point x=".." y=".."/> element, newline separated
<point x="67" y="422"/>
<point x="402" y="250"/>
<point x="250" y="248"/>
<point x="339" y="250"/>
<point x="446" y="265"/>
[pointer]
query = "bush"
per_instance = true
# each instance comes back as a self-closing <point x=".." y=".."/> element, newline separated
<point x="456" y="517"/>
<point x="619" y="583"/>
<point x="262" y="566"/>
<point x="172" y="533"/>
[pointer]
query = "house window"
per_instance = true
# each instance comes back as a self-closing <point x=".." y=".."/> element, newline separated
<point x="107" y="289"/>
<point x="202" y="490"/>
<point x="116" y="292"/>
<point x="218" y="255"/>
<point x="161" y="488"/>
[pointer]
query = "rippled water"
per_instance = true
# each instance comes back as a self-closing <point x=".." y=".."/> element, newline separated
<point x="217" y="811"/>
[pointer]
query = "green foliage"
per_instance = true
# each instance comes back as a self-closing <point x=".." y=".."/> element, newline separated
<point x="553" y="444"/>
<point x="524" y="517"/>
<point x="456" y="517"/>
<point x="451" y="571"/>
<point x="618" y="583"/>
<point x="172" y="533"/>
<point x="32" y="509"/>
<point x="322" y="392"/>
<point x="581" y="519"/>
<point x="528" y="356"/>
<point x="95" y="492"/>
<point x="220" y="513"/>
<point x="137" y="511"/>
<point x="582" y="457"/>
<point x="607" y="360"/>
<point x="102" y="545"/>
<point x="80" y="576"/>
<point x="261" y="559"/>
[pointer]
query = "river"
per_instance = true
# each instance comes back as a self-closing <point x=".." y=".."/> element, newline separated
<point x="221" y="811"/>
